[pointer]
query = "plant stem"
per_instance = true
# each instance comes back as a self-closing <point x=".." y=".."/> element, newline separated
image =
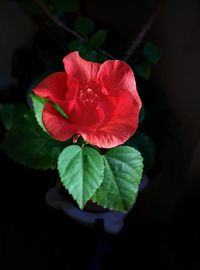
<point x="60" y="24"/>
<point x="139" y="38"/>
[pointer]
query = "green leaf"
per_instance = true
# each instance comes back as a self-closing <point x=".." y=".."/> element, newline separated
<point x="152" y="52"/>
<point x="81" y="172"/>
<point x="10" y="114"/>
<point x="98" y="38"/>
<point x="60" y="110"/>
<point x="27" y="144"/>
<point x="38" y="106"/>
<point x="143" y="69"/>
<point x="66" y="5"/>
<point x="76" y="45"/>
<point x="122" y="175"/>
<point x="7" y="112"/>
<point x="146" y="147"/>
<point x="100" y="58"/>
<point x="84" y="25"/>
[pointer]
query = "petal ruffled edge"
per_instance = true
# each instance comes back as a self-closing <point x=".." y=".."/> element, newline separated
<point x="53" y="87"/>
<point x="117" y="75"/>
<point x="78" y="68"/>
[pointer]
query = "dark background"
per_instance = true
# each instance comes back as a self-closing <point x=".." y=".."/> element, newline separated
<point x="162" y="231"/>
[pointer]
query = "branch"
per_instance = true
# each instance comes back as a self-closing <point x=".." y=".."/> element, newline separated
<point x="138" y="40"/>
<point x="60" y="24"/>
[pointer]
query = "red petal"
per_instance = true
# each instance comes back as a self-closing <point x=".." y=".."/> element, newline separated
<point x="121" y="126"/>
<point x="80" y="69"/>
<point x="55" y="124"/>
<point x="117" y="75"/>
<point x="52" y="87"/>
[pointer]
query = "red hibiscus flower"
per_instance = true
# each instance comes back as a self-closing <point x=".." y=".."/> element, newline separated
<point x="101" y="101"/>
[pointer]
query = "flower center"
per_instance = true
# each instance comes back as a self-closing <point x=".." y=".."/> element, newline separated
<point x="89" y="96"/>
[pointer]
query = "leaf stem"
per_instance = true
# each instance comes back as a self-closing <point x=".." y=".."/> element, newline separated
<point x="139" y="38"/>
<point x="63" y="26"/>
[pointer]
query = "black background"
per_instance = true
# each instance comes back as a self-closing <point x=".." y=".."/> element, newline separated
<point x="162" y="231"/>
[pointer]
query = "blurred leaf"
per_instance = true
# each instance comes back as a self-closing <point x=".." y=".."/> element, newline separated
<point x="143" y="69"/>
<point x="100" y="57"/>
<point x="29" y="145"/>
<point x="84" y="25"/>
<point x="152" y="52"/>
<point x="31" y="7"/>
<point x="144" y="144"/>
<point x="10" y="114"/>
<point x="98" y="38"/>
<point x="66" y="5"/>
<point x="76" y="45"/>
<point x="7" y="113"/>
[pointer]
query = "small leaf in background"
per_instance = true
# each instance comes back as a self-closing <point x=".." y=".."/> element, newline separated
<point x="152" y="52"/>
<point x="27" y="144"/>
<point x="87" y="53"/>
<point x="143" y="69"/>
<point x="7" y="112"/>
<point x="84" y="25"/>
<point x="98" y="38"/>
<point x="142" y="114"/>
<point x="100" y="57"/>
<point x="66" y="5"/>
<point x="76" y="45"/>
<point x="10" y="114"/>
<point x="122" y="175"/>
<point x="81" y="172"/>
<point x="146" y="147"/>
<point x="31" y="7"/>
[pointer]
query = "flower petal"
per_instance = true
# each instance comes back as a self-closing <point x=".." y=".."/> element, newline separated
<point x="52" y="87"/>
<point x="80" y="69"/>
<point x="121" y="126"/>
<point x="117" y="75"/>
<point x="56" y="124"/>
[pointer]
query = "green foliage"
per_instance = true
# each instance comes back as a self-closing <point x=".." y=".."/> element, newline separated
<point x="98" y="38"/>
<point x="38" y="106"/>
<point x="31" y="7"/>
<point x="7" y="113"/>
<point x="66" y="5"/>
<point x="146" y="147"/>
<point x="152" y="52"/>
<point x="76" y="45"/>
<point x="81" y="172"/>
<point x="143" y="69"/>
<point x="27" y="144"/>
<point x="122" y="175"/>
<point x="60" y="110"/>
<point x="11" y="114"/>
<point x="84" y="25"/>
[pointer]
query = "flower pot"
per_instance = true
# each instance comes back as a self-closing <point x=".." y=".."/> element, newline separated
<point x="113" y="221"/>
